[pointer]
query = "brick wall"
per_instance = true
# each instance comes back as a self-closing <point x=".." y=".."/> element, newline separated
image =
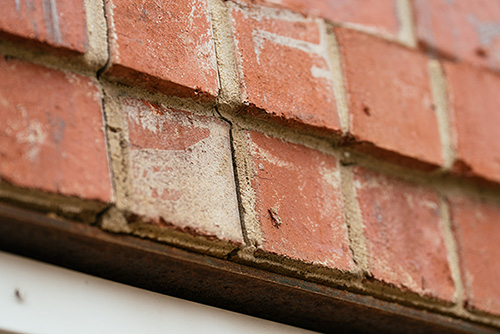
<point x="342" y="142"/>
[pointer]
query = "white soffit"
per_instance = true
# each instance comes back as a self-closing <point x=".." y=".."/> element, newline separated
<point x="39" y="298"/>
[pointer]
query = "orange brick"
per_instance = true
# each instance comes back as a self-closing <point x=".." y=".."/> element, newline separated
<point x="377" y="15"/>
<point x="474" y="101"/>
<point x="59" y="24"/>
<point x="51" y="132"/>
<point x="477" y="227"/>
<point x="284" y="69"/>
<point x="181" y="170"/>
<point x="164" y="45"/>
<point x="391" y="110"/>
<point x="465" y="29"/>
<point x="299" y="203"/>
<point x="405" y="241"/>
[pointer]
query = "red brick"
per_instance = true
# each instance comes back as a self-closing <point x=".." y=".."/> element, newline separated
<point x="390" y="104"/>
<point x="51" y="132"/>
<point x="60" y="24"/>
<point x="404" y="237"/>
<point x="164" y="45"/>
<point x="474" y="101"/>
<point x="469" y="30"/>
<point x="477" y="227"/>
<point x="284" y="68"/>
<point x="379" y="15"/>
<point x="299" y="202"/>
<point x="181" y="170"/>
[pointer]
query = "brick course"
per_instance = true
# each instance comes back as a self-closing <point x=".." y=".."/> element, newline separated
<point x="476" y="225"/>
<point x="390" y="103"/>
<point x="165" y="46"/>
<point x="51" y="131"/>
<point x="468" y="30"/>
<point x="331" y="155"/>
<point x="284" y="70"/>
<point x="298" y="202"/>
<point x="59" y="24"/>
<point x="474" y="110"/>
<point x="380" y="16"/>
<point x="181" y="169"/>
<point x="405" y="241"/>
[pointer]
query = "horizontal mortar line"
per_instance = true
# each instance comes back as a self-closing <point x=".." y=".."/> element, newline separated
<point x="130" y="260"/>
<point x="429" y="179"/>
<point x="270" y="13"/>
<point x="389" y="297"/>
<point x="41" y="56"/>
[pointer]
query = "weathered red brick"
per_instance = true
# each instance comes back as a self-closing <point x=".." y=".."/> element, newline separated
<point x="181" y="169"/>
<point x="477" y="228"/>
<point x="391" y="110"/>
<point x="283" y="67"/>
<point x="60" y="24"/>
<point x="379" y="15"/>
<point x="164" y="45"/>
<point x="299" y="203"/>
<point x="469" y="30"/>
<point x="51" y="132"/>
<point x="474" y="101"/>
<point x="404" y="236"/>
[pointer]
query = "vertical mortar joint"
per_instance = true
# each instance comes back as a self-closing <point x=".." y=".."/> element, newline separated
<point x="236" y="179"/>
<point x="354" y="220"/>
<point x="229" y="92"/>
<point x="246" y="194"/>
<point x="334" y="59"/>
<point x="98" y="52"/>
<point x="407" y="28"/>
<point x="452" y="250"/>
<point x="107" y="63"/>
<point x="440" y="100"/>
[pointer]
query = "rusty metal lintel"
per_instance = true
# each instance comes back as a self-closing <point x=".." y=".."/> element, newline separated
<point x="212" y="281"/>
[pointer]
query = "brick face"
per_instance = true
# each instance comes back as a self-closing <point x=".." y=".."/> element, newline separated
<point x="378" y="15"/>
<point x="60" y="24"/>
<point x="181" y="169"/>
<point x="51" y="132"/>
<point x="284" y="69"/>
<point x="405" y="241"/>
<point x="477" y="227"/>
<point x="390" y="101"/>
<point x="474" y="102"/>
<point x="288" y="167"/>
<point x="299" y="202"/>
<point x="469" y="30"/>
<point x="166" y="46"/>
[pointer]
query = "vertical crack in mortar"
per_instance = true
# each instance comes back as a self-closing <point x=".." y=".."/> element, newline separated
<point x="117" y="141"/>
<point x="354" y="220"/>
<point x="106" y="134"/>
<point x="120" y="190"/>
<point x="230" y="94"/>
<point x="236" y="179"/>
<point x="452" y="250"/>
<point x="99" y="215"/>
<point x="227" y="69"/>
<point x="440" y="99"/>
<point x="229" y="256"/>
<point x="97" y="53"/>
<point x="108" y="43"/>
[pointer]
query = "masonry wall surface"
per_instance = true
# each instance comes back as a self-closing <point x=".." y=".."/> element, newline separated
<point x="351" y="144"/>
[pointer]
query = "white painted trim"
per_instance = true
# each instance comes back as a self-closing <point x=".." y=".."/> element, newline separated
<point x="39" y="298"/>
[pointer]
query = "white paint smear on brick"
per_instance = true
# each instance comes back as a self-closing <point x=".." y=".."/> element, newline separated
<point x="192" y="187"/>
